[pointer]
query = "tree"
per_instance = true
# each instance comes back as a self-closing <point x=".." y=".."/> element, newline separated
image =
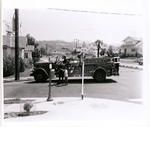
<point x="99" y="43"/>
<point x="110" y="51"/>
<point x="43" y="50"/>
<point x="36" y="55"/>
<point x="31" y="41"/>
<point x="103" y="51"/>
<point x="36" y="45"/>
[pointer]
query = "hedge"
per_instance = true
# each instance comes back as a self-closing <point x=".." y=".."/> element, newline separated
<point x="9" y="66"/>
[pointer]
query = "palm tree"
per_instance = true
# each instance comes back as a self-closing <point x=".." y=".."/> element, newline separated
<point x="99" y="43"/>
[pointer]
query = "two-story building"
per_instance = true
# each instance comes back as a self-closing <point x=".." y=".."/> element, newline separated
<point x="92" y="47"/>
<point x="9" y="45"/>
<point x="132" y="46"/>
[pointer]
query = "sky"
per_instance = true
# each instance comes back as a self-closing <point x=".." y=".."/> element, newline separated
<point x="53" y="24"/>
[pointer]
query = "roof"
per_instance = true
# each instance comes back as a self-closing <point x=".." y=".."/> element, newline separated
<point x="134" y="38"/>
<point x="9" y="41"/>
<point x="127" y="46"/>
<point x="138" y="43"/>
<point x="29" y="48"/>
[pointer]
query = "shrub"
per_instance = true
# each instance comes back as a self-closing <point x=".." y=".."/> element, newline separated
<point x="122" y="55"/>
<point x="132" y="55"/>
<point x="21" y="65"/>
<point x="36" y="59"/>
<point x="27" y="107"/>
<point x="29" y="63"/>
<point x="9" y="66"/>
<point x="139" y="55"/>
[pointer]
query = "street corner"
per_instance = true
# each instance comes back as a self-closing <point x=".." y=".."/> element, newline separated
<point x="76" y="109"/>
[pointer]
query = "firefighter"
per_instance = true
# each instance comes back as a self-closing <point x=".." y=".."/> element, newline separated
<point x="61" y="73"/>
<point x="65" y="60"/>
<point x="66" y="75"/>
<point x="116" y="62"/>
<point x="61" y="70"/>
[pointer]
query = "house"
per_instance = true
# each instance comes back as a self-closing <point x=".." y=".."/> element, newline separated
<point x="28" y="52"/>
<point x="132" y="46"/>
<point x="114" y="48"/>
<point x="93" y="48"/>
<point x="9" y="45"/>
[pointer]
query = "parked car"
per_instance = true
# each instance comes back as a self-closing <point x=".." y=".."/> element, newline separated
<point x="140" y="61"/>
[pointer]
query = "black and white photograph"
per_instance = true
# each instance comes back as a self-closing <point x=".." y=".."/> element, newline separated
<point x="76" y="66"/>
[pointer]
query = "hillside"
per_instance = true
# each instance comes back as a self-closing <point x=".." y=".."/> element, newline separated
<point x="58" y="45"/>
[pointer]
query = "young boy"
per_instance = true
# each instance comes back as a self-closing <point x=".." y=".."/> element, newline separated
<point x="66" y="75"/>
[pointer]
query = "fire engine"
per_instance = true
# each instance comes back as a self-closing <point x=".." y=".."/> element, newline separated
<point x="98" y="68"/>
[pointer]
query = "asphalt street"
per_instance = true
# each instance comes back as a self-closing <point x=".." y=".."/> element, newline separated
<point x="127" y="86"/>
<point x="116" y="101"/>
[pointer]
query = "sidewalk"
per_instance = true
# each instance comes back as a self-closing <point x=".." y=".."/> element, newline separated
<point x="133" y="66"/>
<point x="72" y="111"/>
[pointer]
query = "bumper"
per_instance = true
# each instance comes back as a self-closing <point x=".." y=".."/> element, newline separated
<point x="31" y="73"/>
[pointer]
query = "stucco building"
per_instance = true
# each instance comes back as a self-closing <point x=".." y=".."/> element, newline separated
<point x="132" y="46"/>
<point x="9" y="45"/>
<point x="28" y="52"/>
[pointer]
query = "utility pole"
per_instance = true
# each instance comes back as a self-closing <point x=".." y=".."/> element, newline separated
<point x="16" y="44"/>
<point x="98" y="50"/>
<point x="76" y="40"/>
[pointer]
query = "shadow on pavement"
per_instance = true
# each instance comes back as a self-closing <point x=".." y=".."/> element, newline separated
<point x="9" y="81"/>
<point x="75" y="81"/>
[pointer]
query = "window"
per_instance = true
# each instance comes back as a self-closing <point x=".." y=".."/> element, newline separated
<point x="132" y="50"/>
<point x="25" y="55"/>
<point x="129" y="42"/>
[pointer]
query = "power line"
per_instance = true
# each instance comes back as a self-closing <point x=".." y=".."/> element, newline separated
<point x="96" y="12"/>
<point x="6" y="21"/>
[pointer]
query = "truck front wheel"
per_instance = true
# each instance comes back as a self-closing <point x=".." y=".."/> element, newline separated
<point x="40" y="77"/>
<point x="100" y="75"/>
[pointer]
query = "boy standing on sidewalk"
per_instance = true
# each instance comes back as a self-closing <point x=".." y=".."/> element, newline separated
<point x="66" y="75"/>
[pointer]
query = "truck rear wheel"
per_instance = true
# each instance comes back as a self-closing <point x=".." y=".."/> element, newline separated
<point x="100" y="75"/>
<point x="40" y="77"/>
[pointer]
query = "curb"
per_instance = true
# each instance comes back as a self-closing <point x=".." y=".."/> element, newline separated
<point x="131" y="67"/>
<point x="44" y="99"/>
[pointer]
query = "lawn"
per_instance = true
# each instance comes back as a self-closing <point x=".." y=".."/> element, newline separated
<point x="8" y="115"/>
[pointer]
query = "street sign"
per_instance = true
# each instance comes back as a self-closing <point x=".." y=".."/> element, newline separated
<point x="49" y="94"/>
<point x="82" y="60"/>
